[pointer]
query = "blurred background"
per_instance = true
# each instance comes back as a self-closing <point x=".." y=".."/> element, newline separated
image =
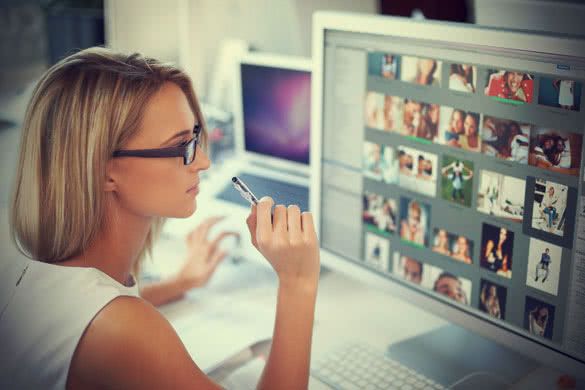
<point x="203" y="36"/>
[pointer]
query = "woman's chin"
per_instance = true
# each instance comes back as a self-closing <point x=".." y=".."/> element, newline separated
<point x="186" y="212"/>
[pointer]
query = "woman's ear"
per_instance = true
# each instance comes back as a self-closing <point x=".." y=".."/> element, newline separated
<point x="111" y="184"/>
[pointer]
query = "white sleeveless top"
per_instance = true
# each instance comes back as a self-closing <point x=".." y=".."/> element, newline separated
<point x="44" y="310"/>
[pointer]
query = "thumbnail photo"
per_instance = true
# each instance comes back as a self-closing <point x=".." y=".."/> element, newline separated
<point x="456" y="247"/>
<point x="492" y="299"/>
<point x="544" y="266"/>
<point x="550" y="206"/>
<point x="420" y="120"/>
<point x="454" y="287"/>
<point x="463" y="78"/>
<point x="386" y="65"/>
<point x="379" y="162"/>
<point x="539" y="317"/>
<point x="407" y="268"/>
<point x="414" y="222"/>
<point x="424" y="71"/>
<point x="512" y="86"/>
<point x="555" y="150"/>
<point x="383" y="112"/>
<point x="380" y="214"/>
<point x="501" y="196"/>
<point x="417" y="170"/>
<point x="505" y="139"/>
<point x="456" y="180"/>
<point x="497" y="245"/>
<point x="377" y="252"/>
<point x="565" y="94"/>
<point x="459" y="129"/>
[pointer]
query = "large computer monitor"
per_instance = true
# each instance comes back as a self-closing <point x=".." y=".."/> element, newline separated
<point x="448" y="170"/>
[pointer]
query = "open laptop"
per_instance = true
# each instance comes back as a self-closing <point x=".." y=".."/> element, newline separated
<point x="272" y="107"/>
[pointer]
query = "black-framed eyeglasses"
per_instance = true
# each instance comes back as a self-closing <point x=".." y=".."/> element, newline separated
<point x="186" y="150"/>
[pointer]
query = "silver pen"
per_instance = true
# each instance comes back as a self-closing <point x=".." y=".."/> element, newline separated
<point x="244" y="190"/>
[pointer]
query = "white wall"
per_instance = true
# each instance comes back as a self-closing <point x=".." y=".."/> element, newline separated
<point x="148" y="26"/>
<point x="190" y="31"/>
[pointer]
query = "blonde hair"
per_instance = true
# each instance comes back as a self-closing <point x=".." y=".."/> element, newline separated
<point x="414" y="206"/>
<point x="83" y="108"/>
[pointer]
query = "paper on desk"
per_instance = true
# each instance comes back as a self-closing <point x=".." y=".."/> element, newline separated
<point x="245" y="377"/>
<point x="236" y="309"/>
<point x="216" y="329"/>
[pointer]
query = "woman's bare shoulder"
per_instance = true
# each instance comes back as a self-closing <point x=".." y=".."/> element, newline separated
<point x="129" y="344"/>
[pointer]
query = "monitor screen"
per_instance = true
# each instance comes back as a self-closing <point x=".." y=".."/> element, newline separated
<point x="276" y="106"/>
<point x="456" y="170"/>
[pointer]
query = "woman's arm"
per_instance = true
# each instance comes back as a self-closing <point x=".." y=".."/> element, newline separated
<point x="165" y="291"/>
<point x="489" y="246"/>
<point x="290" y="245"/>
<point x="130" y="345"/>
<point x="203" y="257"/>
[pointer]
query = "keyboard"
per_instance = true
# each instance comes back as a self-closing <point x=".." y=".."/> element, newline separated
<point x="282" y="192"/>
<point x="361" y="367"/>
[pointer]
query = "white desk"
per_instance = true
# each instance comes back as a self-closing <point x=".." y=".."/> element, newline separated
<point x="346" y="309"/>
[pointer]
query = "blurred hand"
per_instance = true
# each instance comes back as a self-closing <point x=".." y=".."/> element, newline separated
<point x="203" y="255"/>
<point x="287" y="240"/>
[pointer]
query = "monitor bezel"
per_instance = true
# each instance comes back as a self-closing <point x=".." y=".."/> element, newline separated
<point x="276" y="61"/>
<point x="562" y="46"/>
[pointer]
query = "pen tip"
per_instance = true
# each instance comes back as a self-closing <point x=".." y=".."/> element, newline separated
<point x="234" y="179"/>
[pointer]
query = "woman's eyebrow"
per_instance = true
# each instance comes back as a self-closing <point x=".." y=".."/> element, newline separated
<point x="178" y="135"/>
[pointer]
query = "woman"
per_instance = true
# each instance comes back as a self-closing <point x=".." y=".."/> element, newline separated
<point x="497" y="255"/>
<point x="461" y="78"/>
<point x="442" y="246"/>
<point x="548" y="206"/>
<point x="552" y="152"/>
<point x="405" y="163"/>
<point x="456" y="128"/>
<point x="469" y="139"/>
<point x="92" y="120"/>
<point x="462" y="253"/>
<point x="389" y="66"/>
<point x="566" y="91"/>
<point x="429" y="123"/>
<point x="538" y="320"/>
<point x="489" y="300"/>
<point x="413" y="227"/>
<point x="511" y="85"/>
<point x="412" y="117"/>
<point x="425" y="72"/>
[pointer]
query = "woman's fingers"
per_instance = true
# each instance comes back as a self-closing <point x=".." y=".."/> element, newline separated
<point x="214" y="244"/>
<point x="251" y="221"/>
<point x="264" y="220"/>
<point x="307" y="225"/>
<point x="294" y="223"/>
<point x="207" y="224"/>
<point x="217" y="257"/>
<point x="280" y="219"/>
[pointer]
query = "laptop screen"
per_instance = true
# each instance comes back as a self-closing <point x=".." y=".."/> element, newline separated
<point x="276" y="106"/>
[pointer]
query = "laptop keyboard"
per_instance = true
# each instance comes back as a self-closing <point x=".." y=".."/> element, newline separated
<point x="361" y="367"/>
<point x="281" y="192"/>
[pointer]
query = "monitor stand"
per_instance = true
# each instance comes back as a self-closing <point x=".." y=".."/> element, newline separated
<point x="450" y="353"/>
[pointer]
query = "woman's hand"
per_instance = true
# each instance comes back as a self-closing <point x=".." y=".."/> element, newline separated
<point x="203" y="255"/>
<point x="287" y="240"/>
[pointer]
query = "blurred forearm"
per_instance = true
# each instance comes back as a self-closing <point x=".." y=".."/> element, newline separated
<point x="289" y="362"/>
